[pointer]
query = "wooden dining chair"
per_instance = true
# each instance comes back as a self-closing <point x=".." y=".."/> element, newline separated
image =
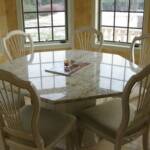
<point x="89" y="38"/>
<point x="140" y="51"/>
<point x="121" y="121"/>
<point x="18" y="43"/>
<point x="29" y="127"/>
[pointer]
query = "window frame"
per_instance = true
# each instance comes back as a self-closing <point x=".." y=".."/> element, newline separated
<point x="117" y="45"/>
<point x="48" y="44"/>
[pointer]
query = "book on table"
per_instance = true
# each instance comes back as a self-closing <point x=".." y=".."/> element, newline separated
<point x="67" y="70"/>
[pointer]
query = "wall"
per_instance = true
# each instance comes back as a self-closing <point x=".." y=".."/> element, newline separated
<point x="83" y="16"/>
<point x="82" y="13"/>
<point x="11" y="13"/>
<point x="3" y="26"/>
<point x="3" y="19"/>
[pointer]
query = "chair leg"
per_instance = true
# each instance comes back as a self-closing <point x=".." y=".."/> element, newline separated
<point x="118" y="143"/>
<point x="72" y="139"/>
<point x="5" y="147"/>
<point x="145" y="139"/>
<point x="69" y="142"/>
<point x="117" y="146"/>
<point x="80" y="133"/>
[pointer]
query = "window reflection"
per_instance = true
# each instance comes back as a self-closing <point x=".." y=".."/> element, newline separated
<point x="43" y="61"/>
<point x="117" y="85"/>
<point x="105" y="70"/>
<point x="114" y="72"/>
<point x="105" y="83"/>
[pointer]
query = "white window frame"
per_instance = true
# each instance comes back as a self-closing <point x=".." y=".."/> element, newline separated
<point x="120" y="46"/>
<point x="50" y="45"/>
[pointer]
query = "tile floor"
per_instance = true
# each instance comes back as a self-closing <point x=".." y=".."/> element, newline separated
<point x="104" y="145"/>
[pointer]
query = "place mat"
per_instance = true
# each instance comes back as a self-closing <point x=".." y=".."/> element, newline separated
<point x="67" y="70"/>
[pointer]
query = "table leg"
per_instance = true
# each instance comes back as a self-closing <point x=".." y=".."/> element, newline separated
<point x="75" y="107"/>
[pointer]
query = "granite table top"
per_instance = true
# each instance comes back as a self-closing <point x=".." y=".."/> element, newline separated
<point x="107" y="74"/>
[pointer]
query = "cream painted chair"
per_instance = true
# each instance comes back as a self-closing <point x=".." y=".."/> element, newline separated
<point x="18" y="43"/>
<point x="88" y="38"/>
<point x="140" y="51"/>
<point x="28" y="127"/>
<point x="120" y="121"/>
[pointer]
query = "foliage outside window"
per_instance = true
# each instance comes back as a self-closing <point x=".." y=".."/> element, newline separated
<point x="45" y="20"/>
<point x="121" y="20"/>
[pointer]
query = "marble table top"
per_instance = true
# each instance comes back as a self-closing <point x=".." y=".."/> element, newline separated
<point x="106" y="75"/>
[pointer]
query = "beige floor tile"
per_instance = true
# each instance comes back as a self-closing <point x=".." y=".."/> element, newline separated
<point x="105" y="145"/>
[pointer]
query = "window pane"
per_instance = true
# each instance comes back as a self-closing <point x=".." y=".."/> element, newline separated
<point x="58" y="18"/>
<point x="29" y="5"/>
<point x="136" y="20"/>
<point x="120" y="35"/>
<point x="137" y="5"/>
<point x="133" y="33"/>
<point x="30" y="20"/>
<point x="45" y="34"/>
<point x="59" y="33"/>
<point x="122" y="5"/>
<point x="58" y="5"/>
<point x="105" y="20"/>
<point x="107" y="33"/>
<point x="107" y="5"/>
<point x="121" y="19"/>
<point x="44" y="19"/>
<point x="34" y="33"/>
<point x="44" y="5"/>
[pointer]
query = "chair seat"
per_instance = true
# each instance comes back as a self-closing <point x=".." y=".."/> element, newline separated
<point x="104" y="118"/>
<point x="53" y="125"/>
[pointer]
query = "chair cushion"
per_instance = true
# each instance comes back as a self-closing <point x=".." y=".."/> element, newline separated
<point x="104" y="118"/>
<point x="53" y="125"/>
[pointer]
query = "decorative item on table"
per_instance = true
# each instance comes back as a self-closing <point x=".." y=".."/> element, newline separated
<point x="68" y="64"/>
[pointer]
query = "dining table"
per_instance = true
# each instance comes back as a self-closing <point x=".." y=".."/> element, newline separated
<point x="105" y="75"/>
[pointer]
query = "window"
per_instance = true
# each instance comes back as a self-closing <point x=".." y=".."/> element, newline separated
<point x="120" y="20"/>
<point x="45" y="20"/>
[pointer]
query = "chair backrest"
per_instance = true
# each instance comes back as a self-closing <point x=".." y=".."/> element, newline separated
<point x="86" y="38"/>
<point x="141" y="84"/>
<point x="11" y="90"/>
<point x="143" y="47"/>
<point x="18" y="43"/>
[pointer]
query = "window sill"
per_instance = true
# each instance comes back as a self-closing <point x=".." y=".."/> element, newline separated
<point x="113" y="47"/>
<point x="51" y="46"/>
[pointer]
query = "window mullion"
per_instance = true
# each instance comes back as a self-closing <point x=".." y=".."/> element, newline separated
<point x="37" y="11"/>
<point x="52" y="20"/>
<point x="66" y="19"/>
<point x="114" y="20"/>
<point x="128" y="21"/>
